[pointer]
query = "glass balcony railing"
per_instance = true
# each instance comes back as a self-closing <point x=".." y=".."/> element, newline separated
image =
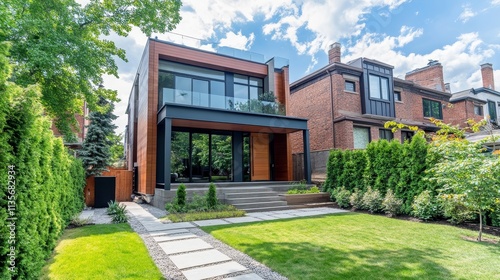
<point x="221" y="102"/>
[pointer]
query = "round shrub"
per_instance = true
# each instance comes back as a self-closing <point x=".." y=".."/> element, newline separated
<point x="372" y="200"/>
<point x="342" y="197"/>
<point x="454" y="208"/>
<point x="391" y="204"/>
<point x="356" y="199"/>
<point x="425" y="206"/>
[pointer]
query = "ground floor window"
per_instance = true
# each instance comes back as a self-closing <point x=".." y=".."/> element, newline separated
<point x="202" y="157"/>
<point x="361" y="137"/>
<point x="385" y="134"/>
<point x="406" y="135"/>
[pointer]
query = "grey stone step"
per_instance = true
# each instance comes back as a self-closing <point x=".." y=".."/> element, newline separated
<point x="264" y="209"/>
<point x="254" y="199"/>
<point x="213" y="270"/>
<point x="193" y="259"/>
<point x="250" y="194"/>
<point x="260" y="204"/>
<point x="184" y="246"/>
<point x="251" y="276"/>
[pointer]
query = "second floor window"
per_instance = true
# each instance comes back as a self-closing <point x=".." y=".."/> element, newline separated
<point x="350" y="86"/>
<point x="379" y="87"/>
<point x="432" y="109"/>
<point x="478" y="110"/>
<point x="397" y="96"/>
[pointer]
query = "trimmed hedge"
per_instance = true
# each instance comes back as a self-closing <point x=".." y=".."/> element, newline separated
<point x="382" y="165"/>
<point x="49" y="182"/>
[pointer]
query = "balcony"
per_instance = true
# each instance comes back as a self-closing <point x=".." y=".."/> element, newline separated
<point x="264" y="104"/>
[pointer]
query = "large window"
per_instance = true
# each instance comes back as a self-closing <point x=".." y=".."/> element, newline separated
<point x="385" y="134"/>
<point x="247" y="88"/>
<point x="492" y="110"/>
<point x="379" y="87"/>
<point x="432" y="109"/>
<point x="361" y="137"/>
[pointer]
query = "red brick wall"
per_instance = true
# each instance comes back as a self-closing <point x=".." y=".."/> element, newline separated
<point x="411" y="107"/>
<point x="313" y="103"/>
<point x="345" y="100"/>
<point x="461" y="111"/>
<point x="344" y="138"/>
<point x="430" y="77"/>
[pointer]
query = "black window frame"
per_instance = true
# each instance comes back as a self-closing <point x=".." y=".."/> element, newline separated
<point x="385" y="134"/>
<point x="492" y="105"/>
<point x="406" y="135"/>
<point x="249" y="85"/>
<point x="398" y="95"/>
<point x="432" y="115"/>
<point x="380" y="78"/>
<point x="481" y="111"/>
<point x="347" y="82"/>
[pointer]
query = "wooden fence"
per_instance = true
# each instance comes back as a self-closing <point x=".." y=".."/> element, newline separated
<point x="123" y="189"/>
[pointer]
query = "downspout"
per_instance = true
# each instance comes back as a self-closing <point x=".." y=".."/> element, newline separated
<point x="331" y="101"/>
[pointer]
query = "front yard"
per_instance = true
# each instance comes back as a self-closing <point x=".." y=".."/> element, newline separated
<point x="360" y="246"/>
<point x="109" y="251"/>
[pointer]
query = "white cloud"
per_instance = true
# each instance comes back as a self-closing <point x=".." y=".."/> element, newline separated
<point x="237" y="40"/>
<point x="461" y="59"/>
<point x="467" y="13"/>
<point x="495" y="2"/>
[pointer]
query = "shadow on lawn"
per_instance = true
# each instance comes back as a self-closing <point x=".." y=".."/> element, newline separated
<point x="309" y="261"/>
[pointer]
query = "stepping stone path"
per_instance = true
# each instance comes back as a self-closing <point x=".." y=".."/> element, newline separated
<point x="197" y="259"/>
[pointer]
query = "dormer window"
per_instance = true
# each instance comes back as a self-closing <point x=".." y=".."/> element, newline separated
<point x="379" y="87"/>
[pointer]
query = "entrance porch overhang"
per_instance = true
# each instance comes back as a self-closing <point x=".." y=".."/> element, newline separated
<point x="176" y="115"/>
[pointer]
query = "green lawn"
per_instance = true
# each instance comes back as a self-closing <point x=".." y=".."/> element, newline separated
<point x="101" y="252"/>
<point x="361" y="246"/>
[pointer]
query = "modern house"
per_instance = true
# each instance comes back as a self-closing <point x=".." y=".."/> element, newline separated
<point x="197" y="116"/>
<point x="348" y="103"/>
<point x="477" y="103"/>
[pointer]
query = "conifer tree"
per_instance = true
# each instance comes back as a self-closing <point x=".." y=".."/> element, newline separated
<point x="96" y="150"/>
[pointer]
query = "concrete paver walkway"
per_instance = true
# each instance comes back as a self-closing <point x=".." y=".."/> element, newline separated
<point x="197" y="259"/>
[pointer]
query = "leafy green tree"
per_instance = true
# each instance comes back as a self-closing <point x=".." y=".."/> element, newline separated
<point x="62" y="46"/>
<point x="465" y="170"/>
<point x="96" y="148"/>
<point x="117" y="149"/>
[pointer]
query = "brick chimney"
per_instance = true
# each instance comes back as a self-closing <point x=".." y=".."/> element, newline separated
<point x="487" y="75"/>
<point x="430" y="76"/>
<point x="334" y="53"/>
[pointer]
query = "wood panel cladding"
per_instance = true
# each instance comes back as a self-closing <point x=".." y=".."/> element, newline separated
<point x="208" y="60"/>
<point x="259" y="151"/>
<point x="123" y="188"/>
<point x="282" y="157"/>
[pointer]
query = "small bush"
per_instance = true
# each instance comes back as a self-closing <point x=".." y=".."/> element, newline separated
<point x="391" y="204"/>
<point x="356" y="199"/>
<point x="78" y="222"/>
<point x="454" y="208"/>
<point x="120" y="215"/>
<point x="313" y="189"/>
<point x="212" y="197"/>
<point x="342" y="197"/>
<point x="425" y="206"/>
<point x="112" y="207"/>
<point x="181" y="195"/>
<point x="372" y="200"/>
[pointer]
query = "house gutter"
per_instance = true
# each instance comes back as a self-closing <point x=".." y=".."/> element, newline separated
<point x="331" y="101"/>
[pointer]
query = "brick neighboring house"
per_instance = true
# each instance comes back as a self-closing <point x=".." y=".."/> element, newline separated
<point x="184" y="100"/>
<point x="477" y="103"/>
<point x="348" y="103"/>
<point x="82" y="122"/>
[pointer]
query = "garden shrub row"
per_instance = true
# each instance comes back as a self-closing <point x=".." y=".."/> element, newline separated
<point x="45" y="186"/>
<point x="382" y="165"/>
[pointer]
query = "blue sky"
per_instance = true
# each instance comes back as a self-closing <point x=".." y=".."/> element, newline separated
<point x="404" y="33"/>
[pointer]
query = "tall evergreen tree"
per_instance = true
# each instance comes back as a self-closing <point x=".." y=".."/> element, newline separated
<point x="96" y="150"/>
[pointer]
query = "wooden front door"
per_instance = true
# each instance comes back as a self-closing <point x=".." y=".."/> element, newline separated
<point x="259" y="150"/>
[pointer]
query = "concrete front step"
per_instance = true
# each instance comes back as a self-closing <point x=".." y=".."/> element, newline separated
<point x="260" y="204"/>
<point x="264" y="209"/>
<point x="251" y="194"/>
<point x="254" y="199"/>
